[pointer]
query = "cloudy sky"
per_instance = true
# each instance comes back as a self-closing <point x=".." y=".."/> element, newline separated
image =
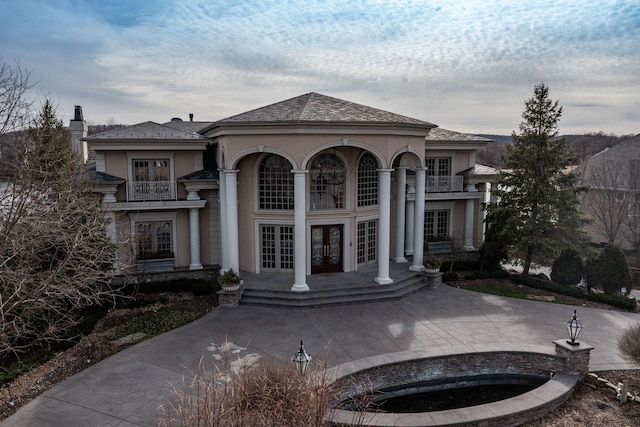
<point x="466" y="65"/>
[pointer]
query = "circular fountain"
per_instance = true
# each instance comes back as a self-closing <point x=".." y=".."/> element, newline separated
<point x="501" y="386"/>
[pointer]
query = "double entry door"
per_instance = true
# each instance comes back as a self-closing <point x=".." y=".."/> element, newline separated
<point x="326" y="248"/>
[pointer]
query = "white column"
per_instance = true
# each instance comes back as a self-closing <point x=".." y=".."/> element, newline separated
<point x="224" y="257"/>
<point x="401" y="196"/>
<point x="300" y="231"/>
<point x="468" y="225"/>
<point x="418" y="230"/>
<point x="194" y="238"/>
<point x="112" y="234"/>
<point x="233" y="247"/>
<point x="384" y="226"/>
<point x="411" y="212"/>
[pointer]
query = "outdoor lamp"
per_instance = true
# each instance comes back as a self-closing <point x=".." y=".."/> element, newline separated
<point x="301" y="360"/>
<point x="335" y="185"/>
<point x="574" y="327"/>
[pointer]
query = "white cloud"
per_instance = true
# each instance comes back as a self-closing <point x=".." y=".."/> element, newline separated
<point x="466" y="65"/>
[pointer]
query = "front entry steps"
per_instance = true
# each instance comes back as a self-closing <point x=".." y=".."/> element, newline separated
<point x="354" y="293"/>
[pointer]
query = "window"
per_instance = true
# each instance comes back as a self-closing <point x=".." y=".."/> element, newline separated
<point x="438" y="166"/>
<point x="154" y="239"/>
<point x="151" y="180"/>
<point x="277" y="247"/>
<point x="367" y="180"/>
<point x="366" y="242"/>
<point x="326" y="188"/>
<point x="276" y="183"/>
<point x="151" y="170"/>
<point x="436" y="225"/>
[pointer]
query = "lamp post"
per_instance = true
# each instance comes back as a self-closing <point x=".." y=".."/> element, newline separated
<point x="574" y="327"/>
<point x="301" y="360"/>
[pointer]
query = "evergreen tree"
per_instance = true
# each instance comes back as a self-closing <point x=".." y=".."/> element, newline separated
<point x="537" y="210"/>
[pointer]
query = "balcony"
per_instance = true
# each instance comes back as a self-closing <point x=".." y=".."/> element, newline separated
<point x="142" y="191"/>
<point x="444" y="184"/>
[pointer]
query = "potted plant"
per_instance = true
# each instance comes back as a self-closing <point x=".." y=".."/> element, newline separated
<point x="229" y="281"/>
<point x="431" y="264"/>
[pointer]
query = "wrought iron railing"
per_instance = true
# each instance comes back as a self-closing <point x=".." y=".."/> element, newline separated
<point x="444" y="184"/>
<point x="151" y="190"/>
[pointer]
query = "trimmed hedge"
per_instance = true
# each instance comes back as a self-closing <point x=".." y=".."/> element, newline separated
<point x="195" y="286"/>
<point x="449" y="276"/>
<point x="497" y="274"/>
<point x="612" y="300"/>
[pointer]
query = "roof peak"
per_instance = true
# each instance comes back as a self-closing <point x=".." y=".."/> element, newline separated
<point x="316" y="107"/>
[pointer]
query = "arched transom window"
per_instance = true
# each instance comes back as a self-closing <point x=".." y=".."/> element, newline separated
<point x="276" y="183"/>
<point x="367" y="180"/>
<point x="327" y="176"/>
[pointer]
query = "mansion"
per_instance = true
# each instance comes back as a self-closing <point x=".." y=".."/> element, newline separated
<point x="309" y="185"/>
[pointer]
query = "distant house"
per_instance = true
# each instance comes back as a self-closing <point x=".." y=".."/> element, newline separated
<point x="612" y="200"/>
<point x="309" y="185"/>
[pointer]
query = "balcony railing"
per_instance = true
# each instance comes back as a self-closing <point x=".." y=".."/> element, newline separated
<point x="151" y="190"/>
<point x="444" y="184"/>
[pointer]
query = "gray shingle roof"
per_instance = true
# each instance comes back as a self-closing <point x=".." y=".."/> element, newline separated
<point x="617" y="164"/>
<point x="478" y="169"/>
<point x="147" y="130"/>
<point x="439" y="134"/>
<point x="201" y="174"/>
<point x="314" y="107"/>
<point x="193" y="127"/>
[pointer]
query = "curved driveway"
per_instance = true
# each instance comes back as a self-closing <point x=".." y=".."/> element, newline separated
<point x="127" y="388"/>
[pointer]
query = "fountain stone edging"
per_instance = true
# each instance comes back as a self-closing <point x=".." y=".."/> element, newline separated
<point x="567" y="364"/>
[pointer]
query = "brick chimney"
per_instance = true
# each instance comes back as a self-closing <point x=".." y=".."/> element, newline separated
<point x="79" y="128"/>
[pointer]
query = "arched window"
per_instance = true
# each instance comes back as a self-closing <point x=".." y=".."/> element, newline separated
<point x="367" y="180"/>
<point x="327" y="177"/>
<point x="276" y="183"/>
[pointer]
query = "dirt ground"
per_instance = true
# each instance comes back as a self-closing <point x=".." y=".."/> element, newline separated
<point x="587" y="407"/>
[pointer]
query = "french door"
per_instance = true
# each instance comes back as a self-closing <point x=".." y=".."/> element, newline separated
<point x="326" y="248"/>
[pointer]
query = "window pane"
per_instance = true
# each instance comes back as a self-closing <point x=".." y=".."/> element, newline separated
<point x="154" y="239"/>
<point x="367" y="180"/>
<point x="276" y="184"/>
<point x="286" y="248"/>
<point x="268" y="247"/>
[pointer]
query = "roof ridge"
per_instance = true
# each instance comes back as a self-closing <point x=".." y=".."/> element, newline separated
<point x="308" y="101"/>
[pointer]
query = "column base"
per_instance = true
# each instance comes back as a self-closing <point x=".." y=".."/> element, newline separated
<point x="470" y="248"/>
<point x="300" y="288"/>
<point x="195" y="267"/>
<point x="400" y="260"/>
<point x="408" y="252"/>
<point x="383" y="280"/>
<point x="416" y="268"/>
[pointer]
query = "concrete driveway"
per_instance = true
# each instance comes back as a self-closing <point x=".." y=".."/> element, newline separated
<point x="127" y="388"/>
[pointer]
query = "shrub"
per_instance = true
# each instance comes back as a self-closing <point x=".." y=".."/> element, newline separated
<point x="568" y="268"/>
<point x="449" y="276"/>
<point x="431" y="262"/>
<point x="241" y="394"/>
<point x="492" y="254"/>
<point x="609" y="271"/>
<point x="629" y="344"/>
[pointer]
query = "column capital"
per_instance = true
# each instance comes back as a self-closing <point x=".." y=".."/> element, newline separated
<point x="299" y="171"/>
<point x="385" y="170"/>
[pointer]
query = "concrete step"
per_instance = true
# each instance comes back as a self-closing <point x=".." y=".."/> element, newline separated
<point x="351" y="294"/>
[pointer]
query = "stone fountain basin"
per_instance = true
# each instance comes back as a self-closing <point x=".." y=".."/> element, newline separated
<point x="445" y="364"/>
